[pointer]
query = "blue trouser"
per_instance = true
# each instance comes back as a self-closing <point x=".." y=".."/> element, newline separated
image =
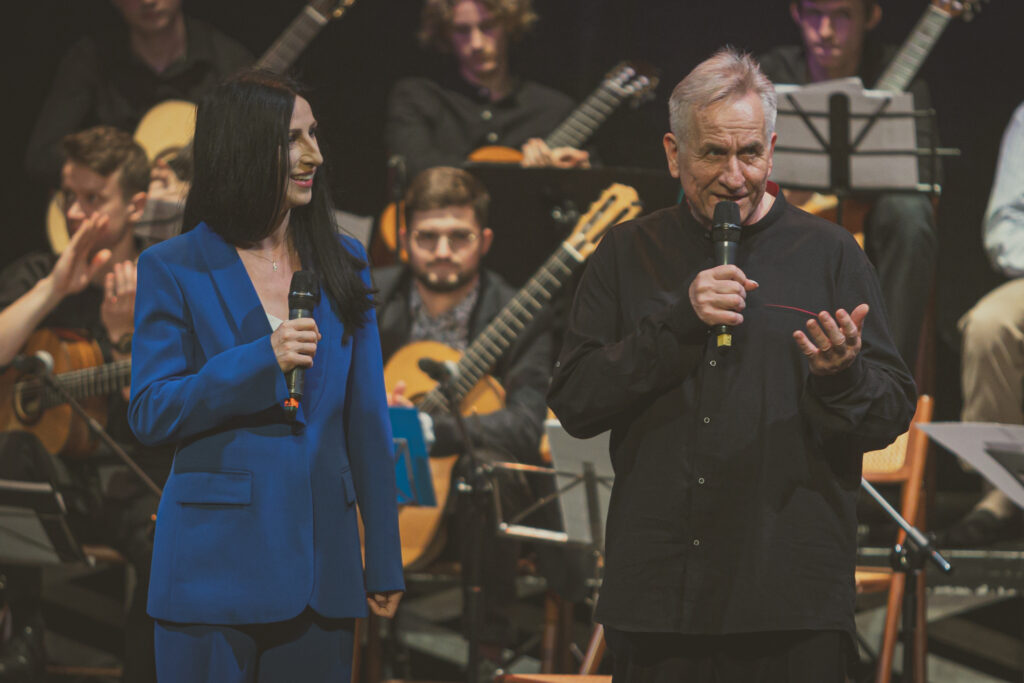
<point x="307" y="648"/>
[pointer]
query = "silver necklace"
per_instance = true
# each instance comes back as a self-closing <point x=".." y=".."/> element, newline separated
<point x="265" y="258"/>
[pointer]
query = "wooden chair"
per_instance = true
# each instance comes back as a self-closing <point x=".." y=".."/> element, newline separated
<point x="903" y="463"/>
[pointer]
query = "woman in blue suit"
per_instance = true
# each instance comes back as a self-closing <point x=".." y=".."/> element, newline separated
<point x="257" y="570"/>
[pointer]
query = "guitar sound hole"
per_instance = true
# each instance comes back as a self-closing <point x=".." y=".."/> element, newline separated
<point x="28" y="401"/>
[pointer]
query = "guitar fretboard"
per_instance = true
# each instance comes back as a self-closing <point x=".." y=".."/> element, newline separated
<point x="915" y="50"/>
<point x="584" y="121"/>
<point x="293" y="41"/>
<point x="80" y="384"/>
<point x="485" y="351"/>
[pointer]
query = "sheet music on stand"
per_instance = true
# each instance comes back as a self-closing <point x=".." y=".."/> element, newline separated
<point x="583" y="476"/>
<point x="996" y="451"/>
<point x="881" y="148"/>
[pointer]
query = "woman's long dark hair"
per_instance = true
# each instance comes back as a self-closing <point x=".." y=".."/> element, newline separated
<point x="241" y="168"/>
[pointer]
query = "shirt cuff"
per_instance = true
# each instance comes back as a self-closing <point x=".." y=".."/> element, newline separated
<point x="840" y="382"/>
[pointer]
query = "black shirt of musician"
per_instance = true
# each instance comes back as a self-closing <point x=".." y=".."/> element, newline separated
<point x="733" y="507"/>
<point x="433" y="123"/>
<point x="101" y="81"/>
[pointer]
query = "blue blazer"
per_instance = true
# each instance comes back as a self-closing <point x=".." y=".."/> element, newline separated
<point x="258" y="518"/>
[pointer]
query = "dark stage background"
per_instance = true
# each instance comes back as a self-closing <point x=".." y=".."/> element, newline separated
<point x="976" y="76"/>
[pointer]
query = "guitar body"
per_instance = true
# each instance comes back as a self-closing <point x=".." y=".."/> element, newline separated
<point x="855" y="212"/>
<point x="59" y="429"/>
<point x="421" y="528"/>
<point x="496" y="154"/>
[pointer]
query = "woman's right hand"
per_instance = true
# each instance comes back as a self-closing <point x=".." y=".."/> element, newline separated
<point x="294" y="343"/>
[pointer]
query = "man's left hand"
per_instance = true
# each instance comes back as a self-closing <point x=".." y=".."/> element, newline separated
<point x="832" y="344"/>
<point x="536" y="153"/>
<point x="384" y="604"/>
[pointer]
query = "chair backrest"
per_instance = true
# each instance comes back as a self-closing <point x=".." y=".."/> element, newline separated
<point x="903" y="462"/>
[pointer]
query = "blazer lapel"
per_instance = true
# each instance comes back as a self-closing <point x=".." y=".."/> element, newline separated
<point x="242" y="307"/>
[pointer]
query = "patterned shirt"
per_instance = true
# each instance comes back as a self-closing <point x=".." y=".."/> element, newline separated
<point x="450" y="327"/>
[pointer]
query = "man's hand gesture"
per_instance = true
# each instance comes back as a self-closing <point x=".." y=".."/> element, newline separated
<point x="831" y="345"/>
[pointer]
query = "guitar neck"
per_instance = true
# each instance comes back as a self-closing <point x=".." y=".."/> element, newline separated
<point x="915" y="50"/>
<point x="86" y="383"/>
<point x="490" y="345"/>
<point x="584" y="121"/>
<point x="293" y="41"/>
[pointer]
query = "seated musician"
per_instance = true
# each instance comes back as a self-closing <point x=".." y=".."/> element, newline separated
<point x="115" y="78"/>
<point x="480" y="101"/>
<point x="443" y="294"/>
<point x="900" y="237"/>
<point x="89" y="292"/>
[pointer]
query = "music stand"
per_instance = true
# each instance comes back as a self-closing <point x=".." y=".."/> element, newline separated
<point x="838" y="138"/>
<point x="996" y="451"/>
<point x="33" y="525"/>
<point x="534" y="209"/>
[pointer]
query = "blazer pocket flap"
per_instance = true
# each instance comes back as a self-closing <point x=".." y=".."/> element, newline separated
<point x="350" y="487"/>
<point x="224" y="488"/>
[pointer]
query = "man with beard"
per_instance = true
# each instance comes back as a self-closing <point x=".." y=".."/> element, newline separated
<point x="444" y="295"/>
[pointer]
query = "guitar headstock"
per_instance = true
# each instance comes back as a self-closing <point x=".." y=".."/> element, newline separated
<point x="958" y="8"/>
<point x="331" y="9"/>
<point x="633" y="80"/>
<point x="616" y="204"/>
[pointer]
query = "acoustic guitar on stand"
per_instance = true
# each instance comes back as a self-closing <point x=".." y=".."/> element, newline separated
<point x="628" y="81"/>
<point x="477" y="392"/>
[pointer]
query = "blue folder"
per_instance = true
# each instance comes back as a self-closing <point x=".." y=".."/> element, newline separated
<point x="412" y="464"/>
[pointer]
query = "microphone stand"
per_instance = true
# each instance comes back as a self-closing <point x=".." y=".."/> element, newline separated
<point x="908" y="558"/>
<point x="97" y="429"/>
<point x="476" y="487"/>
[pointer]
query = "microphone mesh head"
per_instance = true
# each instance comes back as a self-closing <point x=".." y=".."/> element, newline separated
<point x="726" y="213"/>
<point x="305" y="289"/>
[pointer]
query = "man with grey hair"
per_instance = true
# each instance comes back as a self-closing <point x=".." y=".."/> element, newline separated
<point x="731" y="534"/>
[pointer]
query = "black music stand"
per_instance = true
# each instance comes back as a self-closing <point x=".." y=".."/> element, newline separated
<point x="534" y="209"/>
<point x="837" y="139"/>
<point x="33" y="525"/>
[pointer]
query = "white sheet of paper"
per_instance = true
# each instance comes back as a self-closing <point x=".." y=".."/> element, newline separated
<point x="810" y="169"/>
<point x="969" y="440"/>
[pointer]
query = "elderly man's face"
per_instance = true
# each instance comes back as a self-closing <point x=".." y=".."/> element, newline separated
<point x="727" y="157"/>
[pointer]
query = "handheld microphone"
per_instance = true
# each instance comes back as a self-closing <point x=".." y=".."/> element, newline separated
<point x="725" y="234"/>
<point x="303" y="296"/>
<point x="439" y="371"/>
<point x="39" y="363"/>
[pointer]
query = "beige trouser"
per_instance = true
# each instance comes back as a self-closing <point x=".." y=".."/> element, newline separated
<point x="992" y="366"/>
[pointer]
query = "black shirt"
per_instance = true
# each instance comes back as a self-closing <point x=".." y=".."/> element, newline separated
<point x="733" y="508"/>
<point x="101" y="81"/>
<point x="439" y="124"/>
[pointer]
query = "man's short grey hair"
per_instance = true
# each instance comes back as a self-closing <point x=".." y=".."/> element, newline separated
<point x="727" y="74"/>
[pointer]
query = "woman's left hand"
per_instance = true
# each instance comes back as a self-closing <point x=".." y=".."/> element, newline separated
<point x="384" y="604"/>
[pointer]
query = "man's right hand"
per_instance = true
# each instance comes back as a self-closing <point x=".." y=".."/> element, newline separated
<point x="294" y="343"/>
<point x="77" y="266"/>
<point x="719" y="294"/>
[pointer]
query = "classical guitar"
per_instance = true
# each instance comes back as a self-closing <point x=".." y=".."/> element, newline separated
<point x="476" y="391"/>
<point x="627" y="81"/>
<point x="168" y="126"/>
<point x="896" y="78"/>
<point x="30" y="405"/>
